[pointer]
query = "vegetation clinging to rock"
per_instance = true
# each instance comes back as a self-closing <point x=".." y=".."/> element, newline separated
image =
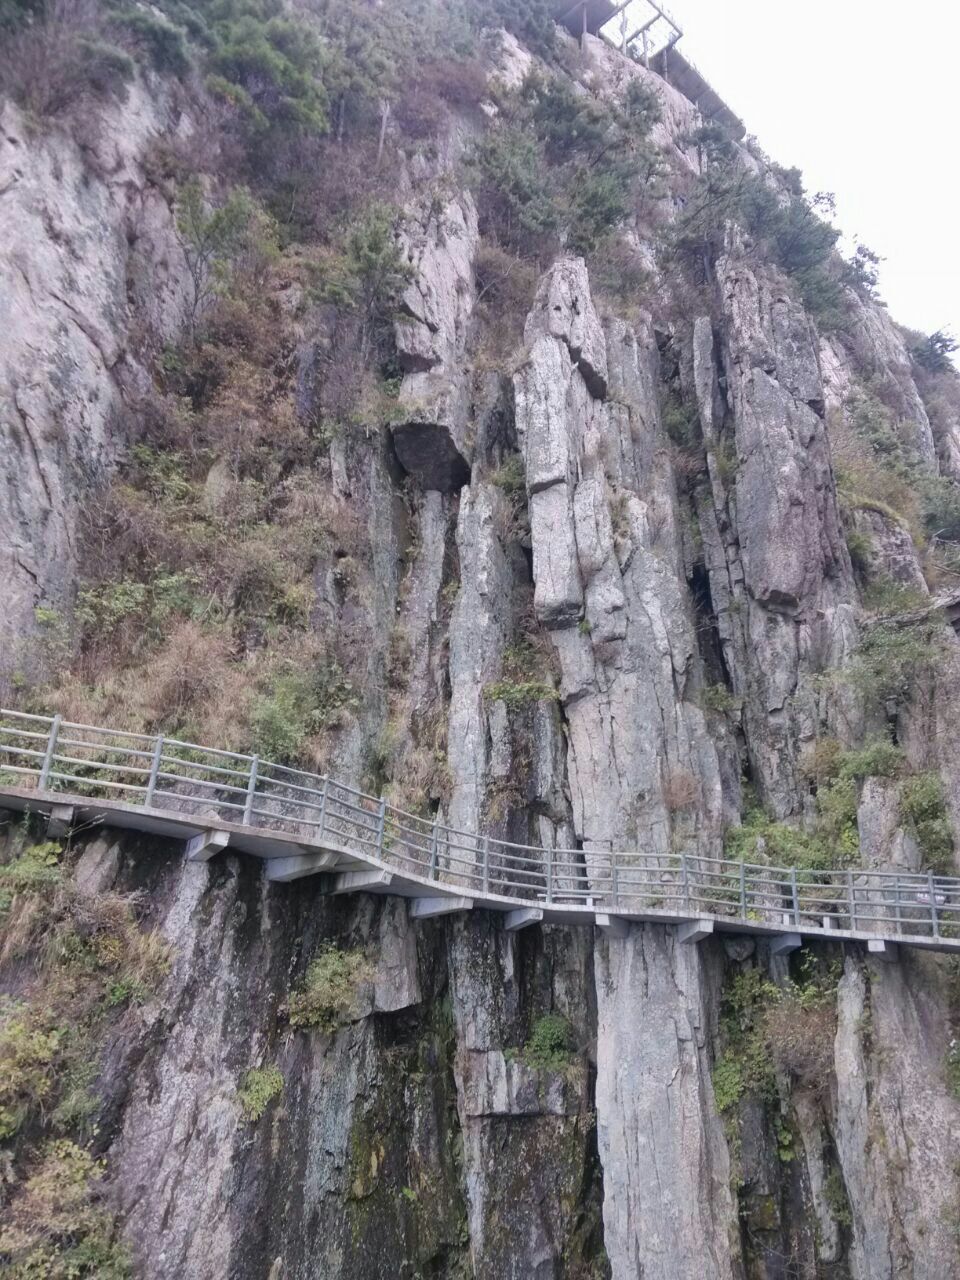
<point x="328" y="995"/>
<point x="550" y="1044"/>
<point x="563" y="167"/>
<point x="258" y="1089"/>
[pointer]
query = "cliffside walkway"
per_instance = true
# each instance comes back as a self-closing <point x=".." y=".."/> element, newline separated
<point x="302" y="824"/>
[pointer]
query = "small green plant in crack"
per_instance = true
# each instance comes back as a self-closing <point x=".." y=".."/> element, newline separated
<point x="886" y="597"/>
<point x="726" y="460"/>
<point x="835" y="1195"/>
<point x="728" y="1085"/>
<point x="877" y="759"/>
<point x="511" y="476"/>
<point x="35" y="871"/>
<point x="520" y="693"/>
<point x="860" y="547"/>
<point x="259" y="1088"/>
<point x="892" y="660"/>
<point x="717" y="697"/>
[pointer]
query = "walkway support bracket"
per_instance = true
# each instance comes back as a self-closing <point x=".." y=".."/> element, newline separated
<point x="612" y="926"/>
<point x="60" y="821"/>
<point x="283" y="870"/>
<point x="887" y="951"/>
<point x="358" y="881"/>
<point x="203" y="847"/>
<point x="426" y="908"/>
<point x="695" y="931"/>
<point x="522" y="917"/>
<point x="783" y="943"/>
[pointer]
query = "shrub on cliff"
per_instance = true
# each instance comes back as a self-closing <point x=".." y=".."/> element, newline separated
<point x="563" y="168"/>
<point x="327" y="998"/>
<point x="923" y="807"/>
<point x="60" y="58"/>
<point x="531" y="21"/>
<point x="257" y="1090"/>
<point x="933" y="353"/>
<point x="550" y="1046"/>
<point x="58" y="1225"/>
<point x="269" y="68"/>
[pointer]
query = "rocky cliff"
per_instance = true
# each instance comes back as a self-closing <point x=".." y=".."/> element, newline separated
<point x="619" y="542"/>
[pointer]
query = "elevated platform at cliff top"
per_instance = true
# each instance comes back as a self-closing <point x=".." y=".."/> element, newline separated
<point x="646" y="31"/>
<point x="302" y="824"/>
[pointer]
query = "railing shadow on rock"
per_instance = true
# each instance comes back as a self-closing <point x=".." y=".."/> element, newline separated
<point x="161" y="774"/>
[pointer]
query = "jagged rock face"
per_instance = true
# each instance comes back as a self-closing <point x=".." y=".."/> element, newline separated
<point x="419" y="1139"/>
<point x="679" y="118"/>
<point x="894" y="1126"/>
<point x="615" y="607"/>
<point x="780" y="575"/>
<point x="643" y="772"/>
<point x="880" y="355"/>
<point x="891" y="554"/>
<point x="88" y="258"/>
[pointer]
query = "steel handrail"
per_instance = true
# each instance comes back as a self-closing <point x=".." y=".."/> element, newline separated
<point x="273" y="797"/>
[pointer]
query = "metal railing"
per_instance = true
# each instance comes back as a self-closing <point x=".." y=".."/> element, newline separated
<point x="207" y="785"/>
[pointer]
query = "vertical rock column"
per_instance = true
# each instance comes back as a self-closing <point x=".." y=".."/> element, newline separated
<point x="643" y="772"/>
<point x="780" y="575"/>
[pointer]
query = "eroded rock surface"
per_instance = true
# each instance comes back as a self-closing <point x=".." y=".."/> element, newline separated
<point x="89" y="261"/>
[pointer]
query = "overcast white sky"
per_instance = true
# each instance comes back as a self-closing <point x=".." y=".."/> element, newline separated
<point x="862" y="96"/>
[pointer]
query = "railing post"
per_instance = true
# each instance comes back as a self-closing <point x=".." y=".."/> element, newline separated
<point x="685" y="879"/>
<point x="381" y="824"/>
<point x="852" y="902"/>
<point x="897" y="908"/>
<point x="614" y="879"/>
<point x="251" y="791"/>
<point x="50" y="753"/>
<point x="154" y="772"/>
<point x="549" y="875"/>
<point x="323" y="808"/>
<point x="934" y="923"/>
<point x="796" y="897"/>
<point x="743" y="890"/>
<point x="486" y="864"/>
<point x="434" y="851"/>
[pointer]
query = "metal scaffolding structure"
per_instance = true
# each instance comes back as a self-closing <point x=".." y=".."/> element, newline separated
<point x="641" y="28"/>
